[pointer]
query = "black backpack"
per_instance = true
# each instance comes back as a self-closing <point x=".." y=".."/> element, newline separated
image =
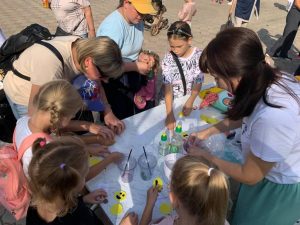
<point x="16" y="44"/>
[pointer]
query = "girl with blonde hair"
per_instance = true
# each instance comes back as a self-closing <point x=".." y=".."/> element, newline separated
<point x="57" y="175"/>
<point x="55" y="105"/>
<point x="198" y="193"/>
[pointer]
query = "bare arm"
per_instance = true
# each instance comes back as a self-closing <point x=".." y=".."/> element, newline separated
<point x="232" y="7"/>
<point x="33" y="92"/>
<point x="221" y="127"/>
<point x="170" y="120"/>
<point x="110" y="119"/>
<point x="182" y="13"/>
<point x="297" y="4"/>
<point x="251" y="172"/>
<point x="188" y="106"/>
<point x="90" y="22"/>
<point x="96" y="169"/>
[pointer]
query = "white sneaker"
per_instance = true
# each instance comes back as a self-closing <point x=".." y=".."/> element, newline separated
<point x="229" y="3"/>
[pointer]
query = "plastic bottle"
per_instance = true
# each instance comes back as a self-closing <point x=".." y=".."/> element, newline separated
<point x="163" y="148"/>
<point x="177" y="141"/>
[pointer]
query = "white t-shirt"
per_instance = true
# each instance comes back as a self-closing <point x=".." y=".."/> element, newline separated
<point x="191" y="71"/>
<point x="22" y="131"/>
<point x="273" y="134"/>
<point x="70" y="15"/>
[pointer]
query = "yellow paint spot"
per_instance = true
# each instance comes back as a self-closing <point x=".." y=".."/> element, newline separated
<point x="120" y="196"/>
<point x="165" y="208"/>
<point x="208" y="119"/>
<point x="93" y="160"/>
<point x="159" y="183"/>
<point x="116" y="209"/>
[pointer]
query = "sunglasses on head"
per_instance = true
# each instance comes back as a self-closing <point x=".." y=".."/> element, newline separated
<point x="179" y="31"/>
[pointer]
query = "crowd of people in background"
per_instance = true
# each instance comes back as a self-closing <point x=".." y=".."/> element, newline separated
<point x="107" y="71"/>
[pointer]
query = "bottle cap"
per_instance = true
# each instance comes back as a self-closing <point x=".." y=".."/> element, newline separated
<point x="180" y="115"/>
<point x="178" y="129"/>
<point x="163" y="137"/>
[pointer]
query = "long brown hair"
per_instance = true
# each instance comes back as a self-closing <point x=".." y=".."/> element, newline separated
<point x="203" y="193"/>
<point x="55" y="171"/>
<point x="238" y="53"/>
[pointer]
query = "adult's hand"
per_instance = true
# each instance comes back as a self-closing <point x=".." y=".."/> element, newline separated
<point x="114" y="123"/>
<point x="102" y="131"/>
<point x="143" y="67"/>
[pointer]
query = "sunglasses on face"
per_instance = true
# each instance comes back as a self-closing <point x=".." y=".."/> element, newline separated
<point x="102" y="74"/>
<point x="180" y="32"/>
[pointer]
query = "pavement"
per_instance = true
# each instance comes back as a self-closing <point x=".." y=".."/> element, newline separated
<point x="17" y="14"/>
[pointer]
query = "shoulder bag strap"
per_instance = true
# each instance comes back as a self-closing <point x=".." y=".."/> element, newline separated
<point x="28" y="141"/>
<point x="180" y="71"/>
<point x="51" y="48"/>
<point x="75" y="28"/>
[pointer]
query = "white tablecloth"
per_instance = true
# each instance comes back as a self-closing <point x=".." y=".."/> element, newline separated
<point x="143" y="129"/>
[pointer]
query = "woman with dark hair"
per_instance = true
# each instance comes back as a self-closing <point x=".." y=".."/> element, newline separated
<point x="267" y="107"/>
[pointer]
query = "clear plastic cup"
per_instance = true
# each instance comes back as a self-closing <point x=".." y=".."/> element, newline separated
<point x="147" y="170"/>
<point x="127" y="171"/>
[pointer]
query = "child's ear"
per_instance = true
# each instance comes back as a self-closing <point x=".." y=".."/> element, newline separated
<point x="173" y="200"/>
<point x="88" y="61"/>
<point x="190" y="41"/>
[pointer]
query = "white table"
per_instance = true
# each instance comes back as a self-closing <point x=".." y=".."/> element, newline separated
<point x="143" y="129"/>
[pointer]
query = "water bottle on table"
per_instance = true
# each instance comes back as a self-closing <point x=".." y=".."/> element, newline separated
<point x="176" y="145"/>
<point x="163" y="147"/>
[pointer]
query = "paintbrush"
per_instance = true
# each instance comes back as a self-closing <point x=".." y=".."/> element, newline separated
<point x="126" y="165"/>
<point x="147" y="160"/>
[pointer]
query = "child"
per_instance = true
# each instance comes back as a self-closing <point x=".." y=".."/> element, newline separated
<point x="57" y="175"/>
<point x="198" y="194"/>
<point x="146" y="95"/>
<point x="187" y="11"/>
<point x="55" y="105"/>
<point x="180" y="40"/>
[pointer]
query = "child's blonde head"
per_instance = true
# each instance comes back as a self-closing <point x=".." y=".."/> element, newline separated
<point x="203" y="193"/>
<point x="180" y="30"/>
<point x="56" y="172"/>
<point x="59" y="98"/>
<point x="105" y="53"/>
<point x="152" y="54"/>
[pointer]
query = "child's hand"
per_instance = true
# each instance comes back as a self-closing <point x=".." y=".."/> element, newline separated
<point x="170" y="122"/>
<point x="187" y="108"/>
<point x="152" y="194"/>
<point x="99" y="150"/>
<point x="130" y="219"/>
<point x="95" y="197"/>
<point x="115" y="156"/>
<point x="102" y="131"/>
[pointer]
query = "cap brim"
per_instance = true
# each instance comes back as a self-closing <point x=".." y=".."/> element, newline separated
<point x="144" y="8"/>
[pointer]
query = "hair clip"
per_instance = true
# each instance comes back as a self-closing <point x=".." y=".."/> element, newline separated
<point x="42" y="143"/>
<point x="62" y="166"/>
<point x="179" y="31"/>
<point x="209" y="171"/>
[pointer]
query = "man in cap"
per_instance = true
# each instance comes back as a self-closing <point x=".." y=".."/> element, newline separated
<point x="126" y="27"/>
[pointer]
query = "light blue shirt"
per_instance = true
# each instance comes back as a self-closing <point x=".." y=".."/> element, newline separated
<point x="129" y="37"/>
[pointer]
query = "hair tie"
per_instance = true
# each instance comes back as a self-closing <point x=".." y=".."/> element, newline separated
<point x="209" y="171"/>
<point x="62" y="166"/>
<point x="43" y="143"/>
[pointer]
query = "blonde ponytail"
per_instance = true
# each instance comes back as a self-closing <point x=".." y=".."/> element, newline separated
<point x="203" y="191"/>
